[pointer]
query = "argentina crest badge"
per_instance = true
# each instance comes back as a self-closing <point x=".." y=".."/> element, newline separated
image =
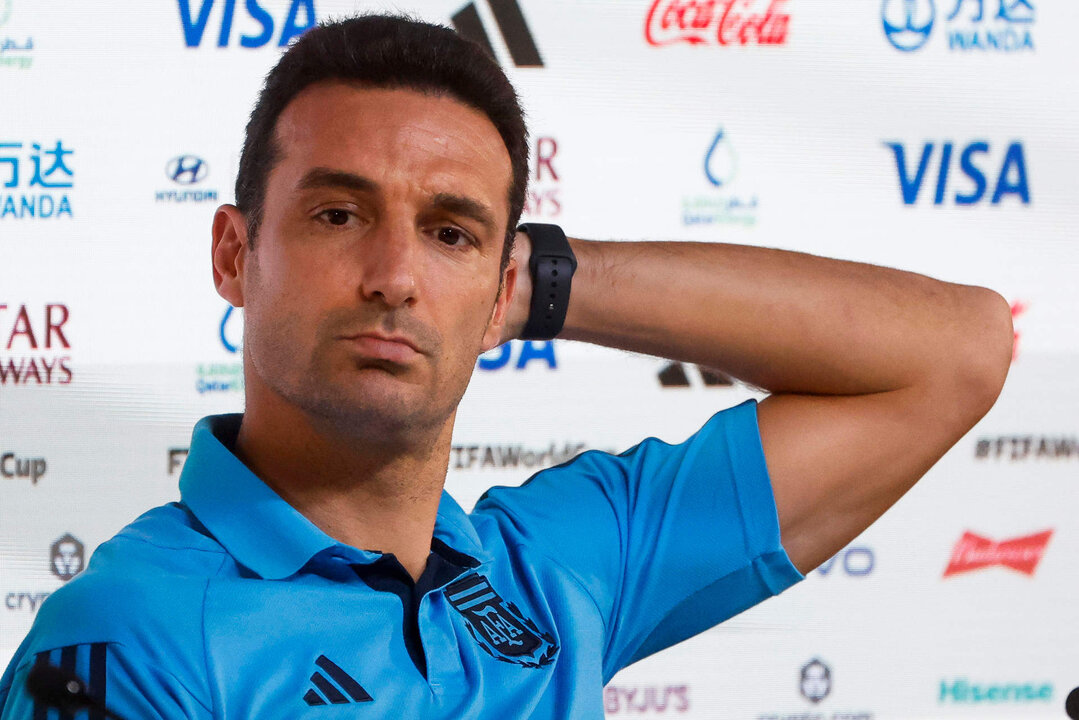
<point x="498" y="626"/>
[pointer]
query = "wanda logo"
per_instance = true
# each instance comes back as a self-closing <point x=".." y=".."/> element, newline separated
<point x="974" y="552"/>
<point x="717" y="22"/>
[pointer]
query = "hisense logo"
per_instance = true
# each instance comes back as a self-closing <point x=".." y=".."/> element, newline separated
<point x="962" y="691"/>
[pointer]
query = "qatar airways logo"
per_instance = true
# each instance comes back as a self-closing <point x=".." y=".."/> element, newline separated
<point x="974" y="552"/>
<point x="34" y="347"/>
<point x="717" y="22"/>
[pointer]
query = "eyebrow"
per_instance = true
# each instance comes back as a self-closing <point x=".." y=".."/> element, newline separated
<point x="466" y="206"/>
<point x="321" y="177"/>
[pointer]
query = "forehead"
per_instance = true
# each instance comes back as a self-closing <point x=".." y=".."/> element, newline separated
<point x="394" y="135"/>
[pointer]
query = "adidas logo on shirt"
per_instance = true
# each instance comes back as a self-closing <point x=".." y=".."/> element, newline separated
<point x="339" y="688"/>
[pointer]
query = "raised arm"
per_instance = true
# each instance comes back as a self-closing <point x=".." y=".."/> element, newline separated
<point x="873" y="372"/>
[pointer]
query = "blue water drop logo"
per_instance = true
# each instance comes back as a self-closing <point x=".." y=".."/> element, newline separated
<point x="720" y="164"/>
<point x="224" y="333"/>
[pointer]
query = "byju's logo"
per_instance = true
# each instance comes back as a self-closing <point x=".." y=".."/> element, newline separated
<point x="299" y="19"/>
<point x="638" y="700"/>
<point x="67" y="557"/>
<point x="50" y="179"/>
<point x="706" y="22"/>
<point x="186" y="170"/>
<point x="723" y="205"/>
<point x="973" y="159"/>
<point x="816" y="681"/>
<point x="34" y="351"/>
<point x="511" y="25"/>
<point x="974" y="552"/>
<point x="970" y="25"/>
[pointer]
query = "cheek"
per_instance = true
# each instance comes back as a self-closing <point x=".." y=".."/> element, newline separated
<point x="465" y="317"/>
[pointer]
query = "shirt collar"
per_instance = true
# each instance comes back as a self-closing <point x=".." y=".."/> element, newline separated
<point x="259" y="528"/>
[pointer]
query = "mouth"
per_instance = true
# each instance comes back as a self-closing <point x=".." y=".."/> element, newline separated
<point x="394" y="348"/>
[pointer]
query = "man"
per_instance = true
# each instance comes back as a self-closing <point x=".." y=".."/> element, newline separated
<point x="315" y="559"/>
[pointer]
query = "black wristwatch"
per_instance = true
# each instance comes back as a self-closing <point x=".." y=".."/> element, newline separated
<point x="552" y="266"/>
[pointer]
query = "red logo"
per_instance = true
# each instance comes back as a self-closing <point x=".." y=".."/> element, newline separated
<point x="1018" y="308"/>
<point x="30" y="350"/>
<point x="974" y="552"/>
<point x="724" y="22"/>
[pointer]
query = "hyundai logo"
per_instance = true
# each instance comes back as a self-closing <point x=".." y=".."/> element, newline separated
<point x="187" y="169"/>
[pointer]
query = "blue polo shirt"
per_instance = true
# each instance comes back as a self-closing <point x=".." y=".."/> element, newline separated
<point x="231" y="604"/>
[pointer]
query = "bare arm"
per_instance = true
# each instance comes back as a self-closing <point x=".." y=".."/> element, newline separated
<point x="874" y="372"/>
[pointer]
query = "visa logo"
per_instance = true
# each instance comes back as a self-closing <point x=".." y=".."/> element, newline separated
<point x="975" y="161"/>
<point x="526" y="352"/>
<point x="262" y="27"/>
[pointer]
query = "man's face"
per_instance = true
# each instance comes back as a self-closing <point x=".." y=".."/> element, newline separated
<point x="374" y="280"/>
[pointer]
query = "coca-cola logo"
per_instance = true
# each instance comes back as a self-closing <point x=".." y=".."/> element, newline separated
<point x="723" y="22"/>
<point x="974" y="552"/>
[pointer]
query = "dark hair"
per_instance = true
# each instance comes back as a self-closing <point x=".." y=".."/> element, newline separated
<point x="383" y="51"/>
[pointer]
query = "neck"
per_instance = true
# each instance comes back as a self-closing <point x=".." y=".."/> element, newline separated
<point x="371" y="494"/>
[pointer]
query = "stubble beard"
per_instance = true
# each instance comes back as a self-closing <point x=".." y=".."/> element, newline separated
<point x="369" y="402"/>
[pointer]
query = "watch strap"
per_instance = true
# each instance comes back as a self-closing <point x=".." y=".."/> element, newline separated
<point x="551" y="265"/>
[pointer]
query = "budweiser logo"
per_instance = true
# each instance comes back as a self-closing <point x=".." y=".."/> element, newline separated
<point x="974" y="552"/>
<point x="726" y="22"/>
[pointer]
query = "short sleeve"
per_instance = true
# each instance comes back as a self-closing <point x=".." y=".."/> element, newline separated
<point x="669" y="540"/>
<point x="128" y="684"/>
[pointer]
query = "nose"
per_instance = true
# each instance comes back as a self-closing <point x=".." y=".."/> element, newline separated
<point x="389" y="263"/>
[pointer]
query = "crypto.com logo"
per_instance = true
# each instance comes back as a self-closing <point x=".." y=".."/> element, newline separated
<point x="67" y="557"/>
<point x="908" y="23"/>
<point x="816" y="681"/>
<point x="187" y="169"/>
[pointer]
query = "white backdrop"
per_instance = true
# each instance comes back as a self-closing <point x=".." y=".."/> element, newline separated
<point x="645" y="129"/>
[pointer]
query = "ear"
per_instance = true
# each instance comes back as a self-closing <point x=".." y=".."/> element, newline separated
<point x="229" y="253"/>
<point x="496" y="328"/>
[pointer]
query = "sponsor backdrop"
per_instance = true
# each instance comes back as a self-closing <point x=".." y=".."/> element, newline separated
<point x="931" y="135"/>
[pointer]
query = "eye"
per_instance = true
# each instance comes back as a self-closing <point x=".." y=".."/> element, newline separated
<point x="335" y="216"/>
<point x="452" y="236"/>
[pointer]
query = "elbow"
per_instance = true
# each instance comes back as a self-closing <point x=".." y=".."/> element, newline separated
<point x="987" y="351"/>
